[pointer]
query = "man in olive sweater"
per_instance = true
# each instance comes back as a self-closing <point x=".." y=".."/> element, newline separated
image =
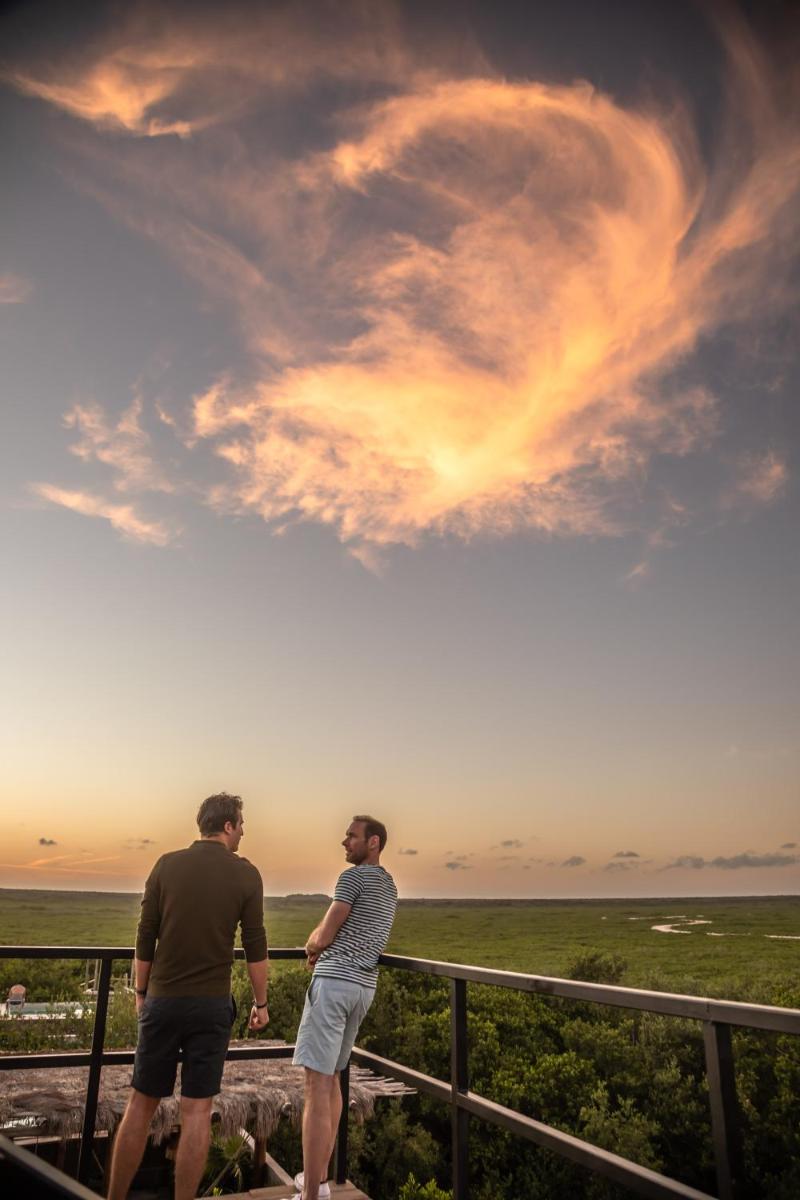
<point x="193" y="901"/>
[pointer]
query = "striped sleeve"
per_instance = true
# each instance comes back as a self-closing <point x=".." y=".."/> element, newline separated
<point x="353" y="954"/>
<point x="349" y="886"/>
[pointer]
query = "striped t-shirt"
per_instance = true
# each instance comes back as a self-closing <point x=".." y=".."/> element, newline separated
<point x="353" y="953"/>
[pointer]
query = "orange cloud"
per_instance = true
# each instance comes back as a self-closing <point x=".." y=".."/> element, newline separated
<point x="14" y="289"/>
<point x="64" y="864"/>
<point x="762" y="479"/>
<point x="123" y="517"/>
<point x="124" y="446"/>
<point x="463" y="313"/>
<point x="114" y="94"/>
<point x="511" y="365"/>
<point x="155" y="74"/>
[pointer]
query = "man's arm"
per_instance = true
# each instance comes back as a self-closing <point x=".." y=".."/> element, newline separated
<point x="321" y="937"/>
<point x="147" y="935"/>
<point x="259" y="974"/>
<point x="254" y="942"/>
<point x="141" y="978"/>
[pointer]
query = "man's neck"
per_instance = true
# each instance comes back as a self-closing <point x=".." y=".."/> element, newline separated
<point x="215" y="837"/>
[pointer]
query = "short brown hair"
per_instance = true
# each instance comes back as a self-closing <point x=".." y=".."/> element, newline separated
<point x="215" y="811"/>
<point x="374" y="828"/>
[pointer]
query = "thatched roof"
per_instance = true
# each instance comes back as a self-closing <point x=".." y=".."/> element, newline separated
<point x="255" y="1095"/>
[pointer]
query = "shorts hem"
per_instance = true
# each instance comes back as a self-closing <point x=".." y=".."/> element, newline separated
<point x="153" y="1093"/>
<point x="307" y="1060"/>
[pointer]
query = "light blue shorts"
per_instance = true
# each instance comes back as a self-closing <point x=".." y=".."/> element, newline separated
<point x="332" y="1013"/>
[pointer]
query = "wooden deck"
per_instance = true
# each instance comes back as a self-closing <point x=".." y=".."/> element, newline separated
<point x="344" y="1191"/>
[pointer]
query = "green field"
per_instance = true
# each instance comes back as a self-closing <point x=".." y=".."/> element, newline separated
<point x="629" y="1082"/>
<point x="543" y="937"/>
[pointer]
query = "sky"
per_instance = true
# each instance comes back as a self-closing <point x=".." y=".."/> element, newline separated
<point x="400" y="416"/>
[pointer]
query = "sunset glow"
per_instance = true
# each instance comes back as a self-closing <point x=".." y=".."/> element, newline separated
<point x="355" y="301"/>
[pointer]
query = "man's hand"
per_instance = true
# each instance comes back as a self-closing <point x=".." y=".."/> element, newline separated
<point x="313" y="951"/>
<point x="140" y="979"/>
<point x="259" y="1018"/>
<point x="320" y="938"/>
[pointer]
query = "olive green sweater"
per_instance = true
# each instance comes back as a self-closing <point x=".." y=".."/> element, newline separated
<point x="193" y="900"/>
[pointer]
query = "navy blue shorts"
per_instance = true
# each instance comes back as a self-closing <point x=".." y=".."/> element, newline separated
<point x="199" y="1027"/>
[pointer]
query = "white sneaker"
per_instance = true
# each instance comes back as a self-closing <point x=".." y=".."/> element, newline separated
<point x="324" y="1189"/>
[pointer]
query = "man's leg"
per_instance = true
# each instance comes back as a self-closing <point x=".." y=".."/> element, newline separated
<point x="336" y="1112"/>
<point x="192" y="1154"/>
<point x="130" y="1142"/>
<point x="317" y="1113"/>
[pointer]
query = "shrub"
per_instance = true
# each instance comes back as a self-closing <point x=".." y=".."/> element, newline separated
<point x="411" y="1190"/>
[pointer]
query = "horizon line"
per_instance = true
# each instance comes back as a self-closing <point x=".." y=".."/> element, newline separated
<point x="464" y="899"/>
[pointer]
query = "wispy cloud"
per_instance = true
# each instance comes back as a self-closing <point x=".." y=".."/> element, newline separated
<point x="761" y="479"/>
<point x="155" y="73"/>
<point x="512" y="844"/>
<point x="441" y="336"/>
<point x="639" y="571"/>
<point x="45" y="841"/>
<point x="788" y="845"/>
<point x="139" y="843"/>
<point x="694" y="861"/>
<point x="738" y="861"/>
<point x="125" y="446"/>
<point x="735" y="862"/>
<point x="14" y="289"/>
<point x="625" y="854"/>
<point x="574" y="861"/>
<point x="457" y="865"/>
<point x="407" y="851"/>
<point x="65" y="864"/>
<point x="123" y="517"/>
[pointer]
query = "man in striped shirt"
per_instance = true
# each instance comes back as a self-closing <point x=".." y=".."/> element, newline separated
<point x="343" y="951"/>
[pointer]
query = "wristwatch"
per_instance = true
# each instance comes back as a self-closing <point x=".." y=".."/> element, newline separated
<point x="264" y="1005"/>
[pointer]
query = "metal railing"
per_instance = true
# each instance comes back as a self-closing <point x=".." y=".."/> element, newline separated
<point x="23" y="1174"/>
<point x="98" y="1057"/>
<point x="718" y="1018"/>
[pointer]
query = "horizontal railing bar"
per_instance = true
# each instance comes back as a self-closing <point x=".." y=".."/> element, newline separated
<point x="37" y="1169"/>
<point x="699" y="1008"/>
<point x="123" y="952"/>
<point x="602" y="1162"/>
<point x="729" y="1012"/>
<point x="124" y="1058"/>
<point x="91" y="952"/>
<point x="641" y="1180"/>
<point x="415" y="1079"/>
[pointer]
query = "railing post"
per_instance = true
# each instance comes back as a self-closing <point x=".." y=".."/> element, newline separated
<point x="459" y="1082"/>
<point x="341" y="1136"/>
<point x="725" y="1119"/>
<point x="95" y="1067"/>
